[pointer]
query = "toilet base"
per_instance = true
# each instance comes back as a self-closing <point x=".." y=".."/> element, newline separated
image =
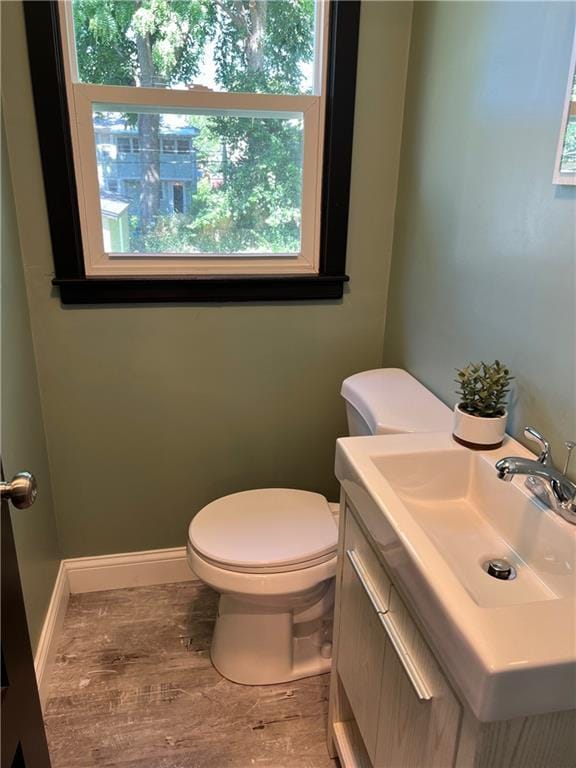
<point x="253" y="646"/>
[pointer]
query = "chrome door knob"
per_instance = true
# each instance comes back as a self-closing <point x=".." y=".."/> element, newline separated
<point x="21" y="490"/>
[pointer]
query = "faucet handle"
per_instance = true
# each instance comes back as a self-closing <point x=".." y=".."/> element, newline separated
<point x="532" y="434"/>
<point x="570" y="444"/>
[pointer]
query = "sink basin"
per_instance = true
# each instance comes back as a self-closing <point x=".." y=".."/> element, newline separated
<point x="472" y="517"/>
<point x="437" y="512"/>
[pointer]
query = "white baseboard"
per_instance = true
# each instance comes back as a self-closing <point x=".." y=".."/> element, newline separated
<point x="131" y="569"/>
<point x="94" y="574"/>
<point x="46" y="650"/>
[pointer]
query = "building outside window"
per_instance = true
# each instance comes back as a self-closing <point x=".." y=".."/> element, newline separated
<point x="118" y="145"/>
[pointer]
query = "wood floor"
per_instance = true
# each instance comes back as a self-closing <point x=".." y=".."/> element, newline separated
<point x="132" y="686"/>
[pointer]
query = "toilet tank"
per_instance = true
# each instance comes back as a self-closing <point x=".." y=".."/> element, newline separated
<point x="389" y="401"/>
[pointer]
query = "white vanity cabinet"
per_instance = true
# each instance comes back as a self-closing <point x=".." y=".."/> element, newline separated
<point x="392" y="691"/>
<point x="364" y="594"/>
<point x="391" y="705"/>
<point x="419" y="715"/>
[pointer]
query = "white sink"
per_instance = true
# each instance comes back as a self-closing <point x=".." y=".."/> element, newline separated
<point x="472" y="517"/>
<point x="438" y="513"/>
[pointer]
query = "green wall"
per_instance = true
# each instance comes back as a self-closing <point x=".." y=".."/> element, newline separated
<point x="22" y="434"/>
<point x="153" y="411"/>
<point x="484" y="262"/>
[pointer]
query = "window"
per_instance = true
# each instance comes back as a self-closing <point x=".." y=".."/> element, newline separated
<point x="168" y="146"/>
<point x="122" y="144"/>
<point x="233" y="114"/>
<point x="125" y="144"/>
<point x="565" y="168"/>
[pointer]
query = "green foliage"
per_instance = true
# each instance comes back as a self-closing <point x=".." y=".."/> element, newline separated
<point x="105" y="54"/>
<point x="260" y="46"/>
<point x="107" y="33"/>
<point x="170" y="235"/>
<point x="483" y="388"/>
<point x="263" y="180"/>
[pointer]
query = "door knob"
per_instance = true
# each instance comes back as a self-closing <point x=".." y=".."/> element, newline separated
<point x="21" y="490"/>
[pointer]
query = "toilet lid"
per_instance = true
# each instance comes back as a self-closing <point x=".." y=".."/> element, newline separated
<point x="264" y="528"/>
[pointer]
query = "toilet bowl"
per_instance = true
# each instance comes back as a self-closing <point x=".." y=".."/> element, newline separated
<point x="271" y="553"/>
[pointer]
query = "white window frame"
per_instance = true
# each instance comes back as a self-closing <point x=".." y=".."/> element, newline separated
<point x="82" y="97"/>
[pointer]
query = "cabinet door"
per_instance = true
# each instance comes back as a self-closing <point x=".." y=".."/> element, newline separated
<point x="419" y="714"/>
<point x="364" y="593"/>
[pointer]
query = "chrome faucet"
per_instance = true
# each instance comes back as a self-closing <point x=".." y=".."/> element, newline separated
<point x="552" y="487"/>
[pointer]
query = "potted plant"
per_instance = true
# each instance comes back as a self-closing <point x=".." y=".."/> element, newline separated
<point x="480" y="416"/>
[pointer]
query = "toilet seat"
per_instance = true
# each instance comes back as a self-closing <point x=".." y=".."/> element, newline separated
<point x="260" y="585"/>
<point x="270" y="530"/>
<point x="286" y="568"/>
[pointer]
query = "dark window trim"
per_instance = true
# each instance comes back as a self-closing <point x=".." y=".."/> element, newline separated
<point x="49" y="88"/>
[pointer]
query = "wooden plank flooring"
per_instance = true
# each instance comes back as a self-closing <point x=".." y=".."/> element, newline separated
<point x="132" y="686"/>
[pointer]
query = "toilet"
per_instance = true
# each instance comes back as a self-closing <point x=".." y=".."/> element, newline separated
<point x="271" y="552"/>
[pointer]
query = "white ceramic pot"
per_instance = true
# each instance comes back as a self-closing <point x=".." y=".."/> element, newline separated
<point x="479" y="432"/>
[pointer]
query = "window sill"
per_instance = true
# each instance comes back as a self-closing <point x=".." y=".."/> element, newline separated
<point x="205" y="288"/>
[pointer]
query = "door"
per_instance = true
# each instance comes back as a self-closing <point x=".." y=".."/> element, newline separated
<point x="178" y="198"/>
<point x="22" y="736"/>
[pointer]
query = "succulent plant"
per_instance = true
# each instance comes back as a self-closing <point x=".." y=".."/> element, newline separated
<point x="483" y="388"/>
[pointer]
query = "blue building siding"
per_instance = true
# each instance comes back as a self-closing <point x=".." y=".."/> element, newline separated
<point x="119" y="171"/>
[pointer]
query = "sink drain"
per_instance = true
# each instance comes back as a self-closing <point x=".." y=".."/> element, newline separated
<point x="499" y="568"/>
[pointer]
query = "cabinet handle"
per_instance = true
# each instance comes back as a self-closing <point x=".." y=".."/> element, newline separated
<point x="418" y="683"/>
<point x="420" y="687"/>
<point x="364" y="579"/>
